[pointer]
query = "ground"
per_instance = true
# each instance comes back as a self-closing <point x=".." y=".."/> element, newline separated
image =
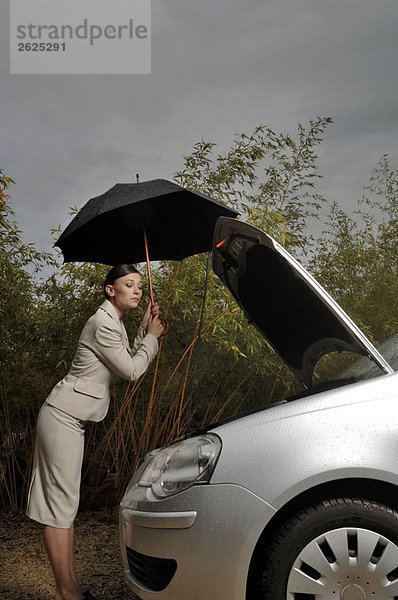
<point x="25" y="573"/>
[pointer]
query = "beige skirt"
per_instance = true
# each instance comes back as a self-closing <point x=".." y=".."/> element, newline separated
<point x="55" y="487"/>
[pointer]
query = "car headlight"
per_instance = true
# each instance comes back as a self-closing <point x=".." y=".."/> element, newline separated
<point x="179" y="466"/>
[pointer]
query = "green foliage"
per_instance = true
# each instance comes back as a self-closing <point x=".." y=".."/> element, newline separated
<point x="270" y="178"/>
<point x="20" y="368"/>
<point x="18" y="305"/>
<point x="356" y="257"/>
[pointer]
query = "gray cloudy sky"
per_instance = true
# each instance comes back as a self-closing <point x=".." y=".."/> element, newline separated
<point x="217" y="68"/>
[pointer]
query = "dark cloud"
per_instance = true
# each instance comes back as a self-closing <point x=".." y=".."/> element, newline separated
<point x="218" y="68"/>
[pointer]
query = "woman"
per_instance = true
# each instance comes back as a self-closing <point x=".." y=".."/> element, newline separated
<point x="103" y="357"/>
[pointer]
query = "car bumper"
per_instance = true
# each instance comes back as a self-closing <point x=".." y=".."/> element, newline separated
<point x="194" y="545"/>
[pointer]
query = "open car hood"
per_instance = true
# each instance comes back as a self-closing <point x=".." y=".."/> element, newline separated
<point x="285" y="303"/>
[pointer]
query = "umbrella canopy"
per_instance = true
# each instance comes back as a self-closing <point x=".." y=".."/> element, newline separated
<point x="109" y="229"/>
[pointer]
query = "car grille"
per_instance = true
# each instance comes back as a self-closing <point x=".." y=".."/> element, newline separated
<point x="153" y="573"/>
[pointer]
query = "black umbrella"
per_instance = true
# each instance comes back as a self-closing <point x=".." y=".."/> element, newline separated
<point x="134" y="221"/>
<point x="110" y="228"/>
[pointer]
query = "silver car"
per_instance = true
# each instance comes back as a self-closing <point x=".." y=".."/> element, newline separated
<point x="297" y="501"/>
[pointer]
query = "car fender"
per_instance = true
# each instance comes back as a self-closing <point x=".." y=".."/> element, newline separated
<point x="286" y="450"/>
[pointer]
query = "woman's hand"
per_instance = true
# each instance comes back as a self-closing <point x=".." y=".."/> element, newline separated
<point x="148" y="313"/>
<point x="155" y="326"/>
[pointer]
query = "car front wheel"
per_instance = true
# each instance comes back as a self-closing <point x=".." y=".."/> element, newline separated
<point x="342" y="549"/>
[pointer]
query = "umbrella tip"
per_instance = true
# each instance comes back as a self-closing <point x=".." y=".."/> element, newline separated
<point x="138" y="177"/>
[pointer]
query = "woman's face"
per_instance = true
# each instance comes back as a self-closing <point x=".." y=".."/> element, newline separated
<point x="126" y="292"/>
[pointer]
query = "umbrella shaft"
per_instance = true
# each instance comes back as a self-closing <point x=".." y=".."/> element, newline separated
<point x="148" y="266"/>
<point x="166" y="324"/>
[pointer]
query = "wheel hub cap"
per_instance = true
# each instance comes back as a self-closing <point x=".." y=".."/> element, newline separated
<point x="345" y="564"/>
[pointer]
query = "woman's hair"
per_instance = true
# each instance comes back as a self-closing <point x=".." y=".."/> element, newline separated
<point x="116" y="272"/>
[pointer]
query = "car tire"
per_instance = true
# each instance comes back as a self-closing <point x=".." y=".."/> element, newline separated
<point x="340" y="548"/>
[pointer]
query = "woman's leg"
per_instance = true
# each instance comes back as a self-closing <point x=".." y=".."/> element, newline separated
<point x="58" y="546"/>
<point x="55" y="492"/>
<point x="72" y="557"/>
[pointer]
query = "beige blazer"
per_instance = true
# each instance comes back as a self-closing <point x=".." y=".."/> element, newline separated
<point x="103" y="356"/>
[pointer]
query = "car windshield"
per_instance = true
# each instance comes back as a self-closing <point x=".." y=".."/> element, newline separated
<point x="364" y="368"/>
<point x="361" y="369"/>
